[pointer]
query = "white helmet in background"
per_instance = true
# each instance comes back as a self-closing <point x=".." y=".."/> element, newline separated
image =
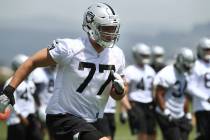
<point x="98" y="16"/>
<point x="141" y="53"/>
<point x="158" y="54"/>
<point x="185" y="60"/>
<point x="18" y="60"/>
<point x="203" y="49"/>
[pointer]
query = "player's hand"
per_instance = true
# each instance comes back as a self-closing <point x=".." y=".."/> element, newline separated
<point x="123" y="117"/>
<point x="118" y="83"/>
<point x="7" y="98"/>
<point x="188" y="116"/>
<point x="167" y="114"/>
<point x="4" y="102"/>
<point x="41" y="114"/>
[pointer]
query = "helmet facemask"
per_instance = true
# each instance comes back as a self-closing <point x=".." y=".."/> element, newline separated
<point x="143" y="59"/>
<point x="185" y="61"/>
<point x="106" y="36"/>
<point x="205" y="54"/>
<point x="142" y="54"/>
<point x="158" y="55"/>
<point x="158" y="58"/>
<point x="102" y="25"/>
<point x="203" y="49"/>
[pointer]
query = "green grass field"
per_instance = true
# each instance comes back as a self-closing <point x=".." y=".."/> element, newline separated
<point x="122" y="133"/>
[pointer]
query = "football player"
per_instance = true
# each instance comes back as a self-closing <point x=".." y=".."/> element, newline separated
<point x="89" y="70"/>
<point x="170" y="87"/>
<point x="200" y="85"/>
<point x="139" y="78"/>
<point x="158" y="58"/>
<point x="22" y="123"/>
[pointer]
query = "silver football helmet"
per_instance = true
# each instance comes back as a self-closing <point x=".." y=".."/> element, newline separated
<point x="185" y="60"/>
<point x="141" y="53"/>
<point x="158" y="54"/>
<point x="203" y="49"/>
<point x="18" y="60"/>
<point x="96" y="19"/>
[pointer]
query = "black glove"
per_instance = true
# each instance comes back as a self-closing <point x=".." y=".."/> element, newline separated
<point x="8" y="91"/>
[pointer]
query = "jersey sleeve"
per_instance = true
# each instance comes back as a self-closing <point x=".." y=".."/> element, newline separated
<point x="193" y="88"/>
<point x="60" y="51"/>
<point x="162" y="79"/>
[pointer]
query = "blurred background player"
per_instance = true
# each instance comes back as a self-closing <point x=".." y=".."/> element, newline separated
<point x="200" y="85"/>
<point x="107" y="124"/>
<point x="22" y="123"/>
<point x="139" y="78"/>
<point x="170" y="87"/>
<point x="158" y="54"/>
<point x="44" y="81"/>
<point x="46" y="91"/>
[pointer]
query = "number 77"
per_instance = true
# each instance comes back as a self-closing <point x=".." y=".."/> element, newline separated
<point x="92" y="67"/>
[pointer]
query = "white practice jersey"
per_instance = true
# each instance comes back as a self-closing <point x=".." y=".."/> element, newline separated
<point x="83" y="80"/>
<point x="200" y="82"/>
<point x="140" y="83"/>
<point x="110" y="106"/>
<point x="175" y="85"/>
<point x="24" y="101"/>
<point x="45" y="78"/>
<point x="37" y="75"/>
<point x="48" y="87"/>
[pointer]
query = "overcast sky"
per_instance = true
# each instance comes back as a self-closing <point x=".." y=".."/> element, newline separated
<point x="144" y="16"/>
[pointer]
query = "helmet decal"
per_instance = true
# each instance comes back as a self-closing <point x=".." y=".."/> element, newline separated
<point x="89" y="17"/>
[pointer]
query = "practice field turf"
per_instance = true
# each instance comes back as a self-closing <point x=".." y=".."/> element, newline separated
<point x="122" y="133"/>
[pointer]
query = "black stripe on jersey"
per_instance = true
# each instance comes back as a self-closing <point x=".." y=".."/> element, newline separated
<point x="110" y="8"/>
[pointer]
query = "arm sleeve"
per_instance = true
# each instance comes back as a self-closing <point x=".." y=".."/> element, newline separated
<point x="60" y="51"/>
<point x="194" y="90"/>
<point x="161" y="80"/>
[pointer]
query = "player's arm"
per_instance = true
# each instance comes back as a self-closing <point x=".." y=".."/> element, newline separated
<point x="125" y="102"/>
<point x="40" y="59"/>
<point x="159" y="93"/>
<point x="195" y="91"/>
<point x="187" y="104"/>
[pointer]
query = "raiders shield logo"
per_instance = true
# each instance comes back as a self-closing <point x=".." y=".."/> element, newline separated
<point x="89" y="17"/>
<point x="53" y="45"/>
